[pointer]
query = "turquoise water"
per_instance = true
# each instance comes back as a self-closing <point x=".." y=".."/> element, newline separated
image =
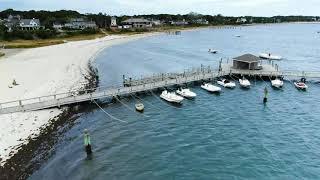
<point x="228" y="136"/>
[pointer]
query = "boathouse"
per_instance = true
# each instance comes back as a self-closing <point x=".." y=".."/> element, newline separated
<point x="246" y="62"/>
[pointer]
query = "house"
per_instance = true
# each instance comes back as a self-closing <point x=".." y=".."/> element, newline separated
<point x="246" y="62"/>
<point x="113" y="22"/>
<point x="156" y="22"/>
<point x="24" y="24"/>
<point x="201" y="21"/>
<point x="80" y="23"/>
<point x="29" y="24"/>
<point x="137" y="23"/>
<point x="57" y="26"/>
<point x="179" y="23"/>
<point x="125" y="27"/>
<point x="241" y="20"/>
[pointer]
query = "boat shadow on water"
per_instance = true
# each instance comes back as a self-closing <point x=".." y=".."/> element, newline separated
<point x="214" y="93"/>
<point x="177" y="105"/>
<point x="245" y="88"/>
<point x="278" y="88"/>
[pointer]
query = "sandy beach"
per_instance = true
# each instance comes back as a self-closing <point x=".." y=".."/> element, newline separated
<point x="40" y="72"/>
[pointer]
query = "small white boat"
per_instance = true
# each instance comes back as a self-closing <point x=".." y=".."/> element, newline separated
<point x="171" y="97"/>
<point x="139" y="107"/>
<point x="213" y="51"/>
<point x="211" y="88"/>
<point x="186" y="93"/>
<point x="300" y="85"/>
<point x="277" y="83"/>
<point x="226" y="83"/>
<point x="269" y="56"/>
<point x="245" y="83"/>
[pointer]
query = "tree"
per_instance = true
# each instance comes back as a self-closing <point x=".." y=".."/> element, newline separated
<point x="3" y="30"/>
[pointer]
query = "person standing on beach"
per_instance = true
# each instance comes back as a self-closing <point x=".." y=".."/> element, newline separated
<point x="87" y="142"/>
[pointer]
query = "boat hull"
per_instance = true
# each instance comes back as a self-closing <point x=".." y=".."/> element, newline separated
<point x="277" y="83"/>
<point x="171" y="97"/>
<point x="244" y="83"/>
<point x="186" y="94"/>
<point x="270" y="57"/>
<point x="301" y="86"/>
<point x="230" y="85"/>
<point x="211" y="88"/>
<point x="139" y="107"/>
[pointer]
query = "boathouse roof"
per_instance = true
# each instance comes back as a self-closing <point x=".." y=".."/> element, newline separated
<point x="249" y="58"/>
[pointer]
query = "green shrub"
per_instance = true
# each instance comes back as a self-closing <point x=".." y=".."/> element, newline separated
<point x="29" y="35"/>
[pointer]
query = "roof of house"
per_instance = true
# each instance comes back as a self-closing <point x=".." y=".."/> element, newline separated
<point x="136" y="20"/>
<point x="247" y="58"/>
<point x="28" y="21"/>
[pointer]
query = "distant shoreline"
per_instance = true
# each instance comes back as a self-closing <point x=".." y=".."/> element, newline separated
<point x="26" y="44"/>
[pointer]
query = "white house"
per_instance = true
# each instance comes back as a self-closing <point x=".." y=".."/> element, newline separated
<point x="179" y="23"/>
<point x="57" y="26"/>
<point x="156" y="22"/>
<point x="29" y="24"/>
<point x="241" y="20"/>
<point x="138" y="23"/>
<point x="125" y="27"/>
<point x="201" y="21"/>
<point x="24" y="24"/>
<point x="80" y="23"/>
<point x="113" y="22"/>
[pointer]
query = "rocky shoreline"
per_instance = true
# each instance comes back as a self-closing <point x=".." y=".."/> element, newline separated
<point x="33" y="154"/>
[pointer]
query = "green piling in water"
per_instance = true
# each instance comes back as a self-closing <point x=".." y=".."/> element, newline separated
<point x="265" y="99"/>
<point x="87" y="142"/>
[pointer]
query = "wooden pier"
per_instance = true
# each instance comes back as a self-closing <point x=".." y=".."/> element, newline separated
<point x="143" y="85"/>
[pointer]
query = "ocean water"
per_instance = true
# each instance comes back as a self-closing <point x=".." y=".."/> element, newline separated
<point x="228" y="136"/>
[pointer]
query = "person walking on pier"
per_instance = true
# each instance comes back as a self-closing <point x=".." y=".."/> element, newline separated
<point x="87" y="142"/>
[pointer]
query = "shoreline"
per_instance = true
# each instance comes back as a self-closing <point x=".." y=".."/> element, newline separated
<point x="32" y="154"/>
<point x="26" y="136"/>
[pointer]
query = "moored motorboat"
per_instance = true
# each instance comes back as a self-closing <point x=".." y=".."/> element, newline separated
<point x="270" y="56"/>
<point x="139" y="107"/>
<point x="277" y="83"/>
<point x="171" y="97"/>
<point x="187" y="93"/>
<point x="211" y="88"/>
<point x="226" y="83"/>
<point x="245" y="83"/>
<point x="301" y="84"/>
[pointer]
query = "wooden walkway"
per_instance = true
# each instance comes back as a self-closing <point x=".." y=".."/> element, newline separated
<point x="142" y="85"/>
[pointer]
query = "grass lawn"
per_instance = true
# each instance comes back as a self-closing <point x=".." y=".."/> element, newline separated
<point x="46" y="42"/>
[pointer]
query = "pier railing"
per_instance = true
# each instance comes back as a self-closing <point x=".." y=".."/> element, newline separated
<point x="138" y="85"/>
<point x="58" y="100"/>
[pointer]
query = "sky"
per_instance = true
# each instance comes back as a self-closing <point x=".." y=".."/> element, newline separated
<point x="136" y="7"/>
